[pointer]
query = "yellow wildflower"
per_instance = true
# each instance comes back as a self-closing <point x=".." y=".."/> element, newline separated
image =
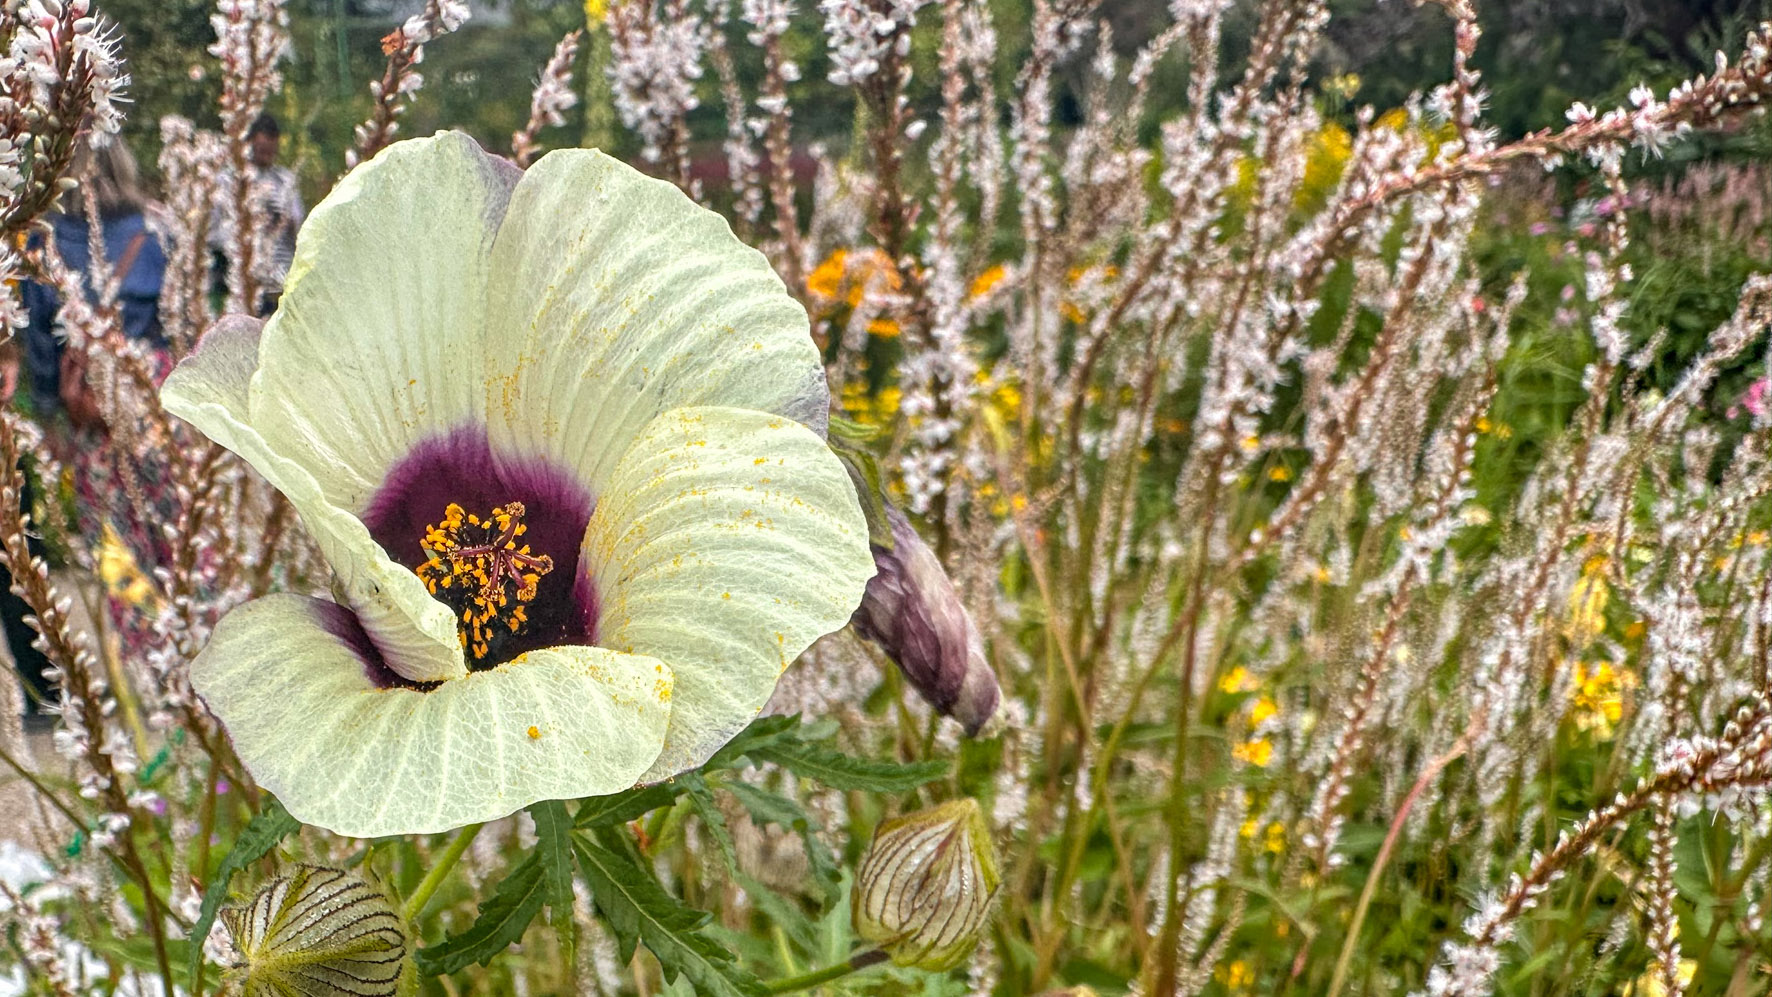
<point x="1263" y="709"/>
<point x="1279" y="472"/>
<point x="1650" y="985"/>
<point x="1325" y="160"/>
<point x="1587" y="602"/>
<point x="1237" y="680"/>
<point x="1237" y="975"/>
<point x="1275" y="839"/>
<point x="982" y="284"/>
<point x="826" y="279"/>
<point x="1258" y="752"/>
<point x="117" y="568"/>
<point x="1598" y="700"/>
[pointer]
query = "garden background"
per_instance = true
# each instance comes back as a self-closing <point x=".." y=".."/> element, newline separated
<point x="1346" y="433"/>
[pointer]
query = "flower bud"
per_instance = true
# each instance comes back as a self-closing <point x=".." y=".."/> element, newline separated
<point x="324" y="932"/>
<point x="924" y="889"/>
<point x="913" y="613"/>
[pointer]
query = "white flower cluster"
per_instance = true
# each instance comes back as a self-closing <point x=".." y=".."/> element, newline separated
<point x="60" y="73"/>
<point x="656" y="62"/>
<point x="552" y="97"/>
<point x="440" y="17"/>
<point x="251" y="38"/>
<point x="46" y="31"/>
<point x="405" y="49"/>
<point x="862" y="35"/>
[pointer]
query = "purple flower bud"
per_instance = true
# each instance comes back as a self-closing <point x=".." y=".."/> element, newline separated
<point x="912" y="612"/>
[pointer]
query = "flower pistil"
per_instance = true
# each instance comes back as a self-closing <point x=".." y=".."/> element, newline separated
<point x="470" y="561"/>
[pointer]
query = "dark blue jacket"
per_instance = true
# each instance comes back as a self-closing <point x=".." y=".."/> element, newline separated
<point x="139" y="297"/>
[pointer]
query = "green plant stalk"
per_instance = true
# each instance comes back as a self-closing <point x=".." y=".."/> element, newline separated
<point x="836" y="971"/>
<point x="415" y="904"/>
<point x="1428" y="774"/>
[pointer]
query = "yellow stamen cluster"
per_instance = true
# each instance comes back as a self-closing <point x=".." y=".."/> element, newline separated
<point x="470" y="561"/>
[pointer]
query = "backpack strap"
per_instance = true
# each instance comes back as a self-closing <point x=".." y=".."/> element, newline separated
<point x="126" y="262"/>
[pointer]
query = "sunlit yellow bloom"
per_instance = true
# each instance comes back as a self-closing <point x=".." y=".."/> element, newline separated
<point x="1236" y="975"/>
<point x="1587" y="602"/>
<point x="1007" y="399"/>
<point x="1237" y="680"/>
<point x="119" y="571"/>
<point x="982" y="284"/>
<point x="1275" y="839"/>
<point x="1279" y="472"/>
<point x="1258" y="752"/>
<point x="1263" y="709"/>
<point x="1650" y="985"/>
<point x="1325" y="160"/>
<point x="1344" y="86"/>
<point x="826" y="279"/>
<point x="1597" y="702"/>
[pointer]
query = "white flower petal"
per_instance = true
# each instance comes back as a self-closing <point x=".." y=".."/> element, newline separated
<point x="376" y="342"/>
<point x="615" y="298"/>
<point x="287" y="675"/>
<point x="727" y="541"/>
<point x="415" y="633"/>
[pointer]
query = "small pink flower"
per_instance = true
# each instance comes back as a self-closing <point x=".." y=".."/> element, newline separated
<point x="1754" y="399"/>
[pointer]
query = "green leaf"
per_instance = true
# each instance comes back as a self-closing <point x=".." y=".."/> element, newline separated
<point x="840" y="771"/>
<point x="503" y="918"/>
<point x="762" y="732"/>
<point x="271" y="825"/>
<point x="619" y="808"/>
<point x="784" y="913"/>
<point x="766" y="807"/>
<point x="553" y="828"/>
<point x="639" y="910"/>
<point x="702" y="800"/>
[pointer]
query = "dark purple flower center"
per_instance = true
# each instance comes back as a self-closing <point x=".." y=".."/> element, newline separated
<point x="496" y="539"/>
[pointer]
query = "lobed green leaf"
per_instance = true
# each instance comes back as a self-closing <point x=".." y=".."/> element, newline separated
<point x="639" y="910"/>
<point x="503" y="918"/>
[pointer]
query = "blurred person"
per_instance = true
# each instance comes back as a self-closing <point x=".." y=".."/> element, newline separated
<point x="58" y="383"/>
<point x="21" y="639"/>
<point x="277" y="207"/>
<point x="116" y="479"/>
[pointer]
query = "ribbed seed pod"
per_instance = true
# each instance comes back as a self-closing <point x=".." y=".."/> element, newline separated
<point x="924" y="890"/>
<point x="319" y="933"/>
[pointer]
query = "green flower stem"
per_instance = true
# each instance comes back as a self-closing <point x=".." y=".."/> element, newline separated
<point x="853" y="964"/>
<point x="415" y="904"/>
